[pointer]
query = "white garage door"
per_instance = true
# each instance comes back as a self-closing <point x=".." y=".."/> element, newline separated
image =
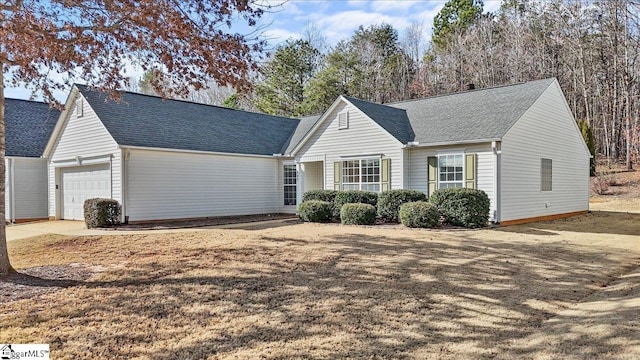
<point x="81" y="183"/>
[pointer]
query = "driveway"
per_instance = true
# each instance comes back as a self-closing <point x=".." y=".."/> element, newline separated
<point x="77" y="228"/>
<point x="63" y="227"/>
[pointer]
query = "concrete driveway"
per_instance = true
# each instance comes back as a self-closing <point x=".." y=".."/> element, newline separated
<point x="77" y="228"/>
<point x="63" y="227"/>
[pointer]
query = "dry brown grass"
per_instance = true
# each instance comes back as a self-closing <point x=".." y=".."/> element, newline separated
<point x="562" y="289"/>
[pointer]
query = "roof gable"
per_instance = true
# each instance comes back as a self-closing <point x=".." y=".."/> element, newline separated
<point x="393" y="120"/>
<point x="28" y="126"/>
<point x="150" y="121"/>
<point x="477" y="115"/>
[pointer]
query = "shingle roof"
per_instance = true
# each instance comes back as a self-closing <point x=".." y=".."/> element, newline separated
<point x="481" y="114"/>
<point x="393" y="120"/>
<point x="306" y="123"/>
<point x="28" y="126"/>
<point x="149" y="121"/>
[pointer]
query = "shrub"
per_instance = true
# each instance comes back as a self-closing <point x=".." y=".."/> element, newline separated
<point x="315" y="211"/>
<point x="322" y="195"/>
<point x="358" y="214"/>
<point x="389" y="202"/>
<point x="419" y="214"/>
<point x="101" y="213"/>
<point x="353" y="197"/>
<point x="462" y="207"/>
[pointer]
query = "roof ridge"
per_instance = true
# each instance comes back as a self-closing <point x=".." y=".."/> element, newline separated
<point x="28" y="100"/>
<point x="188" y="102"/>
<point x="466" y="91"/>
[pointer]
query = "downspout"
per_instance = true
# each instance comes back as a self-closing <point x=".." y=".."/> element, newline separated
<point x="124" y="186"/>
<point x="495" y="147"/>
<point x="12" y="190"/>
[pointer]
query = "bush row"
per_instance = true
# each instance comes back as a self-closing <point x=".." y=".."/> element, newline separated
<point x="456" y="206"/>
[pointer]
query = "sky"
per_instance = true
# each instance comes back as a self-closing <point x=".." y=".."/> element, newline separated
<point x="336" y="20"/>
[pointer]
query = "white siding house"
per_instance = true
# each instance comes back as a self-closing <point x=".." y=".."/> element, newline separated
<point x="28" y="127"/>
<point x="546" y="131"/>
<point x="506" y="141"/>
<point x="166" y="159"/>
<point x="169" y="159"/>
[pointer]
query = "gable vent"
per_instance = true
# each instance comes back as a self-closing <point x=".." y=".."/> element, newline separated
<point x="343" y="120"/>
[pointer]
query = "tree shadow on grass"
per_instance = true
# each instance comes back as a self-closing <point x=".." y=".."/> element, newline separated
<point x="363" y="296"/>
<point x="35" y="281"/>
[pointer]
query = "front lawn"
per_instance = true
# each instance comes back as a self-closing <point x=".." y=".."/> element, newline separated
<point x="551" y="290"/>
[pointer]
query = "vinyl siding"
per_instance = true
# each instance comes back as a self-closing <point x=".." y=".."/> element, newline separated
<point x="363" y="137"/>
<point x="30" y="188"/>
<point x="546" y="130"/>
<point x="416" y="159"/>
<point x="175" y="185"/>
<point x="85" y="137"/>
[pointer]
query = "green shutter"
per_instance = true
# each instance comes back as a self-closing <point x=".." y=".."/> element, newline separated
<point x="386" y="174"/>
<point x="433" y="174"/>
<point x="470" y="171"/>
<point x="336" y="175"/>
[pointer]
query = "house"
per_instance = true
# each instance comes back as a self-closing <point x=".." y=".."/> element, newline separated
<point x="518" y="143"/>
<point x="28" y="126"/>
<point x="170" y="159"/>
<point x="167" y="159"/>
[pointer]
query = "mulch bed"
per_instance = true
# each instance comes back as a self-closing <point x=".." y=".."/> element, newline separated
<point x="214" y="221"/>
<point x="28" y="283"/>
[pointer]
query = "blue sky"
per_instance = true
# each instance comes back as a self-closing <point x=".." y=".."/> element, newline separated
<point x="336" y="19"/>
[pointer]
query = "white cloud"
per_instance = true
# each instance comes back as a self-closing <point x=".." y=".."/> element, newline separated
<point x="393" y="6"/>
<point x="277" y="36"/>
<point x="492" y="5"/>
<point x="342" y="24"/>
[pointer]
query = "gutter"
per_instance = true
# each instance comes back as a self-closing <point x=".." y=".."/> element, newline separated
<point x="416" y="144"/>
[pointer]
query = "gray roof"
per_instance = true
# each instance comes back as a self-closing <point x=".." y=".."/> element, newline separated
<point x="28" y="126"/>
<point x="482" y="114"/>
<point x="306" y="123"/>
<point x="393" y="120"/>
<point x="149" y="121"/>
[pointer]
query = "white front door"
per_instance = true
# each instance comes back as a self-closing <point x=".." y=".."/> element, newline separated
<point x="81" y="183"/>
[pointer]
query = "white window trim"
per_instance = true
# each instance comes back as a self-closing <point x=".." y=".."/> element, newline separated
<point x="284" y="185"/>
<point x="360" y="160"/>
<point x="451" y="152"/>
<point x="346" y="124"/>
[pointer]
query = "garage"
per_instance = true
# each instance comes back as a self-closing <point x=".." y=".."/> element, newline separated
<point x="81" y="183"/>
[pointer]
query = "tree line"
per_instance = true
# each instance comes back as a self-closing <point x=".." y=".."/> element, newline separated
<point x="591" y="46"/>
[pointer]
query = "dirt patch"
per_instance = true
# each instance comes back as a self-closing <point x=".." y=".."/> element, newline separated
<point x="37" y="281"/>
<point x="204" y="222"/>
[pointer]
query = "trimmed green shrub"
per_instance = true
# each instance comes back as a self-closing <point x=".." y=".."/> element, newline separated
<point x="389" y="202"/>
<point x="358" y="214"/>
<point x="100" y="213"/>
<point x="322" y="195"/>
<point x="462" y="206"/>
<point x="315" y="211"/>
<point x="353" y="197"/>
<point x="419" y="214"/>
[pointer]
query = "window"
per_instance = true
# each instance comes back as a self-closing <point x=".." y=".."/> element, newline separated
<point x="290" y="177"/>
<point x="450" y="171"/>
<point x="343" y="120"/>
<point x="546" y="175"/>
<point x="361" y="175"/>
